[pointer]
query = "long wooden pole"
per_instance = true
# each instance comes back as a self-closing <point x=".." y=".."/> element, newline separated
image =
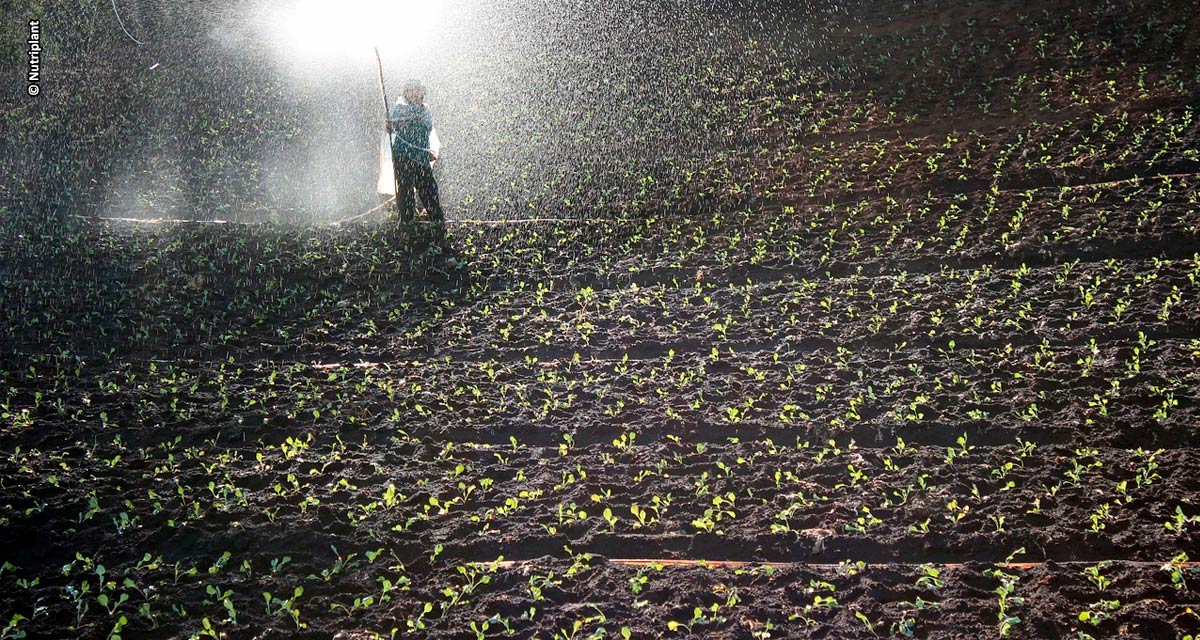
<point x="387" y="114"/>
<point x="382" y="90"/>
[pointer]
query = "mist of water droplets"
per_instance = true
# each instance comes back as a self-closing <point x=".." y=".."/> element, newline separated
<point x="227" y="113"/>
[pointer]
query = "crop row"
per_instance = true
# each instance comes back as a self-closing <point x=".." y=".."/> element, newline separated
<point x="412" y="493"/>
<point x="789" y="388"/>
<point x="558" y="598"/>
<point x="182" y="297"/>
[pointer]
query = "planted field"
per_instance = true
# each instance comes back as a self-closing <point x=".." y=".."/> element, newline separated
<point x="918" y="357"/>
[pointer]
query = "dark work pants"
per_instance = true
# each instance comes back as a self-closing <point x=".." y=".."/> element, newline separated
<point x="410" y="175"/>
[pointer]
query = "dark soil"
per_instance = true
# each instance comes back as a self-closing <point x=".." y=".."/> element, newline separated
<point x="926" y="338"/>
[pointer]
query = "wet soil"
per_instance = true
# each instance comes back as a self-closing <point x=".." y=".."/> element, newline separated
<point x="910" y="335"/>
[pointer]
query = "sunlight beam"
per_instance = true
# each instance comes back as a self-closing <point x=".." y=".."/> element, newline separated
<point x="348" y="30"/>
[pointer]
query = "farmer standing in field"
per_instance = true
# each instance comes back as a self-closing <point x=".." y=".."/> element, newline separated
<point x="410" y="125"/>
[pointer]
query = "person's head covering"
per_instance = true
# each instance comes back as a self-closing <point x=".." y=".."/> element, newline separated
<point x="413" y="91"/>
